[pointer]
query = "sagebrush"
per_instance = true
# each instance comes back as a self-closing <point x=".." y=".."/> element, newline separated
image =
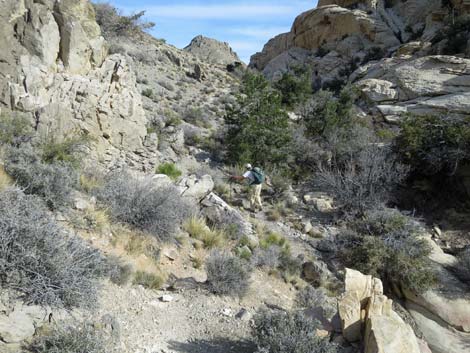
<point x="52" y="182"/>
<point x="386" y="244"/>
<point x="285" y="332"/>
<point x="159" y="211"/>
<point x="83" y="338"/>
<point x="227" y="274"/>
<point x="40" y="260"/>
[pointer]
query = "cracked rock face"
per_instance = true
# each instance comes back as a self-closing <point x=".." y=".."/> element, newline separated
<point x="58" y="73"/>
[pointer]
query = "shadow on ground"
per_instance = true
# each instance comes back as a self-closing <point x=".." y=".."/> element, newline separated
<point x="217" y="345"/>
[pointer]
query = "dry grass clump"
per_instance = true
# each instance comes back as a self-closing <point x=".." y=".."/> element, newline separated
<point x="210" y="237"/>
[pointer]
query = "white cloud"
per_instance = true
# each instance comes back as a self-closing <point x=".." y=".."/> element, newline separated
<point x="224" y="12"/>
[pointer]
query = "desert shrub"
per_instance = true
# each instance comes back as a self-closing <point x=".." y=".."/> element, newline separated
<point x="40" y="260"/>
<point x="138" y="202"/>
<point x="148" y="280"/>
<point x="197" y="116"/>
<point x="295" y="86"/>
<point x="257" y="127"/>
<point x="274" y="254"/>
<point x="268" y="258"/>
<point x="324" y="113"/>
<point x="80" y="339"/>
<point x="148" y="92"/>
<point x="197" y="229"/>
<point x="67" y="150"/>
<point x="53" y="182"/>
<point x="455" y="34"/>
<point x="14" y="129"/>
<point x="322" y="51"/>
<point x="170" y="170"/>
<point x="310" y="297"/>
<point x="386" y="244"/>
<point x="114" y="24"/>
<point x="364" y="181"/>
<point x="227" y="274"/>
<point x="374" y="53"/>
<point x="281" y="332"/>
<point x="119" y="272"/>
<point x="433" y="144"/>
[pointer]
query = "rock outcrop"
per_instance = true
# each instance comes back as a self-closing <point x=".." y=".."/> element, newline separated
<point x="428" y="85"/>
<point x="57" y="71"/>
<point x="367" y="314"/>
<point x="212" y="51"/>
<point x="443" y="313"/>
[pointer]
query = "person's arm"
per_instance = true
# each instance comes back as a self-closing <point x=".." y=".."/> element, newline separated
<point x="237" y="177"/>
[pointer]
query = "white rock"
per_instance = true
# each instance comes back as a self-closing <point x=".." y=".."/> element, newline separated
<point x="166" y="298"/>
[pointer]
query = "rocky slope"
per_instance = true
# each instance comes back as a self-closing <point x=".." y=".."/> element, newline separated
<point x="145" y="102"/>
<point x="59" y="72"/>
<point x="386" y="50"/>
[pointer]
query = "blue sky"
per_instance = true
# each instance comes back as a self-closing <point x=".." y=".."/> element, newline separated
<point x="245" y="25"/>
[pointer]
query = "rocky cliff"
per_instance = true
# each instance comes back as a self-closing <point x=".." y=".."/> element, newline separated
<point x="61" y="73"/>
<point x="386" y="48"/>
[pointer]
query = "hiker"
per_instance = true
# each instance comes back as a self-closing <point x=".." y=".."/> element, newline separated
<point x="255" y="179"/>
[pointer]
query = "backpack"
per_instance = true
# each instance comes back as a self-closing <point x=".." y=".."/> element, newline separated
<point x="259" y="176"/>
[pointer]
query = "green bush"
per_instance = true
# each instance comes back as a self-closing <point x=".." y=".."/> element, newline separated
<point x="82" y="339"/>
<point x="227" y="274"/>
<point x="295" y="86"/>
<point x="386" y="244"/>
<point x="114" y="24"/>
<point x="325" y="113"/>
<point x="148" y="92"/>
<point x="148" y="280"/>
<point x="257" y="127"/>
<point x="433" y="144"/>
<point x="14" y="130"/>
<point x="281" y="332"/>
<point x="170" y="170"/>
<point x="68" y="150"/>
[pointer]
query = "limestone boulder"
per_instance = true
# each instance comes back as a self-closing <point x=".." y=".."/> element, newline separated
<point x="20" y="324"/>
<point x="378" y="90"/>
<point x="196" y="188"/>
<point x="212" y="51"/>
<point x="365" y="312"/>
<point x="440" y="337"/>
<point x="220" y="213"/>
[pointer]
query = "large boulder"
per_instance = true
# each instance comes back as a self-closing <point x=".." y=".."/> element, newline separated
<point x="212" y="51"/>
<point x="196" y="188"/>
<point x="440" y="337"/>
<point x="367" y="313"/>
<point x="449" y="300"/>
<point x="20" y="324"/>
<point x="222" y="214"/>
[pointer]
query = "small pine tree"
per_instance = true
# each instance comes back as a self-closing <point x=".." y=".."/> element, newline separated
<point x="258" y="128"/>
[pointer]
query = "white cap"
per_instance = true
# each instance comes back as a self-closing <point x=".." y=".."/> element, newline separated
<point x="248" y="166"/>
